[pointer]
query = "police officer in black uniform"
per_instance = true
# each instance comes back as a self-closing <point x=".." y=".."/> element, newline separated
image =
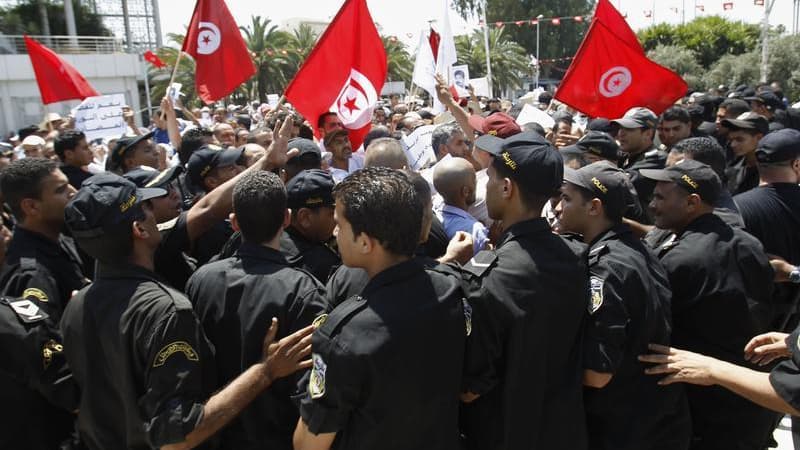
<point x="529" y="300"/>
<point x="134" y="344"/>
<point x="636" y="134"/>
<point x="630" y="308"/>
<point x="235" y="298"/>
<point x="37" y="384"/>
<point x="387" y="363"/>
<point x="721" y="284"/>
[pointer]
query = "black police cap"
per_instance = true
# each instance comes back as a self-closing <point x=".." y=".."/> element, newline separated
<point x="748" y="121"/>
<point x="692" y="176"/>
<point x="305" y="146"/>
<point x="144" y="178"/>
<point x="209" y="157"/>
<point x="125" y="144"/>
<point x="531" y="160"/>
<point x="600" y="144"/>
<point x="605" y="181"/>
<point x="104" y="202"/>
<point x="778" y="146"/>
<point x="768" y="98"/>
<point x="310" y="189"/>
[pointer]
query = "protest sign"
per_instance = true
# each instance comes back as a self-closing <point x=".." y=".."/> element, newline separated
<point x="101" y="116"/>
<point x="417" y="146"/>
<point x="533" y="114"/>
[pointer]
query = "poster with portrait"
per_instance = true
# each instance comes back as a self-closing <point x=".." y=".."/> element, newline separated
<point x="459" y="77"/>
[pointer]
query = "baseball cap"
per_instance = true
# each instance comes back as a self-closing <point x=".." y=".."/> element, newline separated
<point x="6" y="150"/>
<point x="126" y="143"/>
<point x="768" y="98"/>
<point x="33" y="140"/>
<point x="104" y="202"/>
<point x="305" y="146"/>
<point x="496" y="124"/>
<point x="207" y="158"/>
<point x="638" y="118"/>
<point x="778" y="146"/>
<point x="600" y="144"/>
<point x="562" y="116"/>
<point x="748" y="121"/>
<point x="692" y="176"/>
<point x="144" y="178"/>
<point x="605" y="181"/>
<point x="310" y="189"/>
<point x="600" y="124"/>
<point x="531" y="160"/>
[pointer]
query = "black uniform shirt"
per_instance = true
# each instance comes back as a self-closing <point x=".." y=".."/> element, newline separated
<point x="648" y="159"/>
<point x="36" y="386"/>
<point x="38" y="268"/>
<point x="529" y="300"/>
<point x="388" y="363"/>
<point x="785" y="377"/>
<point x="721" y="297"/>
<point x="75" y="175"/>
<point x="138" y="353"/>
<point x="629" y="308"/>
<point x="211" y="242"/>
<point x="741" y="177"/>
<point x="235" y="300"/>
<point x="314" y="257"/>
<point x="171" y="260"/>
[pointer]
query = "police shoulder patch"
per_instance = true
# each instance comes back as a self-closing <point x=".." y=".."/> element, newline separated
<point x="467" y="315"/>
<point x="36" y="293"/>
<point x="316" y="382"/>
<point x="50" y="349"/>
<point x="595" y="293"/>
<point x="173" y="348"/>
<point x="26" y="310"/>
<point x="319" y="321"/>
<point x="480" y="263"/>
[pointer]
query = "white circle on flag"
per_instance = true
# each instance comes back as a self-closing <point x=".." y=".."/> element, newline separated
<point x="615" y="81"/>
<point x="356" y="101"/>
<point x="208" y="39"/>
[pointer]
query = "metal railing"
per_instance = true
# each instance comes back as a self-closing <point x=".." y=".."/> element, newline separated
<point x="15" y="44"/>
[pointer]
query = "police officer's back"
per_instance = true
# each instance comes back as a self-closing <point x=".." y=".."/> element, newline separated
<point x="529" y="300"/>
<point x="721" y="284"/>
<point x="629" y="308"/>
<point x="387" y="363"/>
<point x="235" y="298"/>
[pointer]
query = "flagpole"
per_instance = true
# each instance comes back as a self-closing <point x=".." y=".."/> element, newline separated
<point x="147" y="91"/>
<point x="172" y="79"/>
<point x="486" y="45"/>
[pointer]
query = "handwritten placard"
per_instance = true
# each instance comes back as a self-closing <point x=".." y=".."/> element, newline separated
<point x="418" y="148"/>
<point x="101" y="116"/>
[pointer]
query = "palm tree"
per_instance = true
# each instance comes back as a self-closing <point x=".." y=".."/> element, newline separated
<point x="272" y="54"/>
<point x="398" y="60"/>
<point x="159" y="78"/>
<point x="509" y="61"/>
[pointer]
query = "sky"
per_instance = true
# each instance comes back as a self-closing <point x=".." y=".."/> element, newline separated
<point x="407" y="18"/>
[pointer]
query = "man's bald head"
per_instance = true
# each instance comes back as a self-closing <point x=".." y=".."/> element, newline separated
<point x="385" y="152"/>
<point x="454" y="179"/>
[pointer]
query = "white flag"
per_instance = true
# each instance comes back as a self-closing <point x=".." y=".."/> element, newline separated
<point x="425" y="65"/>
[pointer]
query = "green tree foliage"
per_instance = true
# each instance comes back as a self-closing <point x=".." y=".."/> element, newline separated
<point x="681" y="60"/>
<point x="24" y="18"/>
<point x="159" y="78"/>
<point x="274" y="56"/>
<point x="733" y="70"/>
<point x="398" y="60"/>
<point x="509" y="62"/>
<point x="784" y="64"/>
<point x="708" y="37"/>
<point x="555" y="41"/>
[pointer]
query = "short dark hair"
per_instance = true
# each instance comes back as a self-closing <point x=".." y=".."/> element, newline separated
<point x="67" y="140"/>
<point x="676" y="113"/>
<point x="259" y="202"/>
<point x="377" y="132"/>
<point x="614" y="213"/>
<point x="532" y="200"/>
<point x="191" y="140"/>
<point x="23" y="179"/>
<point x="244" y="121"/>
<point x="371" y="198"/>
<point x="735" y="106"/>
<point x="442" y="134"/>
<point x="321" y="119"/>
<point x="705" y="150"/>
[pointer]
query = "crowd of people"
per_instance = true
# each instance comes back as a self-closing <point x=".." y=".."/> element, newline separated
<point x="242" y="277"/>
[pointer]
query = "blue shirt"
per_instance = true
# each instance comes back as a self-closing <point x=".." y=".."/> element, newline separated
<point x="456" y="219"/>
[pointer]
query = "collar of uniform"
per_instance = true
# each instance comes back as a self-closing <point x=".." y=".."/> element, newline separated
<point x="126" y="271"/>
<point x="613" y="233"/>
<point x="393" y="274"/>
<point x="293" y="242"/>
<point x="631" y="159"/>
<point x="24" y="241"/>
<point x="248" y="249"/>
<point x="532" y="226"/>
<point x="705" y="222"/>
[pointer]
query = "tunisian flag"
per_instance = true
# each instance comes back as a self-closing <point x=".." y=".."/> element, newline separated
<point x="56" y="78"/>
<point x="608" y="77"/>
<point x="344" y="73"/>
<point x="222" y="61"/>
<point x="153" y="59"/>
<point x="606" y="13"/>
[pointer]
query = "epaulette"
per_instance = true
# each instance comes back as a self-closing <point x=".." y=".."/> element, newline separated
<point x="168" y="225"/>
<point x="596" y="253"/>
<point x="669" y="244"/>
<point x="27" y="263"/>
<point x="480" y="263"/>
<point x="26" y="310"/>
<point x="652" y="153"/>
<point x="327" y="324"/>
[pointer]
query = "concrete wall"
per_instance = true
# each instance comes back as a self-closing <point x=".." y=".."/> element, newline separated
<point x="21" y="104"/>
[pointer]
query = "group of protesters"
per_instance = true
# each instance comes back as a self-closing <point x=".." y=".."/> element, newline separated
<point x="240" y="276"/>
